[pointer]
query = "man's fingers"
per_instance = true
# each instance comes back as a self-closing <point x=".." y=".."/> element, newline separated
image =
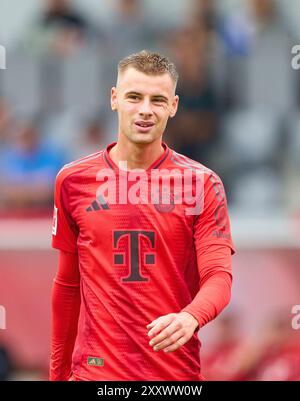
<point x="165" y="333"/>
<point x="153" y="323"/>
<point x="157" y="328"/>
<point x="170" y="340"/>
<point x="159" y="324"/>
<point x="179" y="343"/>
<point x="170" y="332"/>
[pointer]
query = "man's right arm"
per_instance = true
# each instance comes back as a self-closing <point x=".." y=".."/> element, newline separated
<point x="65" y="314"/>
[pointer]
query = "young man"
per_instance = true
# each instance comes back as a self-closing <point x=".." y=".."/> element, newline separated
<point x="145" y="245"/>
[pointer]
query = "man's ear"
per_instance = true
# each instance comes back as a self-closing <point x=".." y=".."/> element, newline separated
<point x="174" y="106"/>
<point x="113" y="99"/>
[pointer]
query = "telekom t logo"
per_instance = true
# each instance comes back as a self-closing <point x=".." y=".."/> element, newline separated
<point x="136" y="252"/>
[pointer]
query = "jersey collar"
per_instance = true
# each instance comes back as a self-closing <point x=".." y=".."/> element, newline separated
<point x="154" y="165"/>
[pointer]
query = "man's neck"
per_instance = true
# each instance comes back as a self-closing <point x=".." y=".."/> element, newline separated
<point x="136" y="156"/>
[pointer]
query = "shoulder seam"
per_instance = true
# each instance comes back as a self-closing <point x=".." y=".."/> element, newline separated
<point x="73" y="172"/>
<point x="82" y="160"/>
<point x="68" y="172"/>
<point x="189" y="163"/>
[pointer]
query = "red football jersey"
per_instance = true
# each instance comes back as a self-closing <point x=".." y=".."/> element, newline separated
<point x="137" y="259"/>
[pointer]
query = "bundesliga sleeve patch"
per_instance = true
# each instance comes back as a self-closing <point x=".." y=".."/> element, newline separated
<point x="54" y="223"/>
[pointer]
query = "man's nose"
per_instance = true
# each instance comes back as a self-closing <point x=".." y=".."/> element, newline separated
<point x="145" y="108"/>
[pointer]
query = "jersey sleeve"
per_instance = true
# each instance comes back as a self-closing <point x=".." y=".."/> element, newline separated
<point x="212" y="225"/>
<point x="64" y="228"/>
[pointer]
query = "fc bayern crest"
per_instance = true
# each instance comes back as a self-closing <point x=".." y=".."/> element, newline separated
<point x="166" y="203"/>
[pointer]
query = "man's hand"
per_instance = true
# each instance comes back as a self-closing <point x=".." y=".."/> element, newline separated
<point x="169" y="332"/>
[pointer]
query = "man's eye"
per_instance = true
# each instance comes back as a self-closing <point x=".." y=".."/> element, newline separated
<point x="133" y="97"/>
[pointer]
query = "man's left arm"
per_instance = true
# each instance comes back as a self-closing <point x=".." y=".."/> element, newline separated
<point x="171" y="331"/>
<point x="213" y="243"/>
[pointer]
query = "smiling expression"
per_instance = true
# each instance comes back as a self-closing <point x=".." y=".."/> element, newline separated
<point x="144" y="104"/>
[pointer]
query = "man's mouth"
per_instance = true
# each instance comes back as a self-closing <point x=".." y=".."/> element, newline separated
<point x="144" y="124"/>
<point x="144" y="127"/>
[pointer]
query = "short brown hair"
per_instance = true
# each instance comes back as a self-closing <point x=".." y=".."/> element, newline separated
<point x="149" y="63"/>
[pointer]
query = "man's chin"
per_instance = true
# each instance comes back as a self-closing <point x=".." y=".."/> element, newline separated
<point x="141" y="139"/>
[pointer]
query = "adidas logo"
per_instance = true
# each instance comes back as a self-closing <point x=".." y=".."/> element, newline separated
<point x="95" y="361"/>
<point x="98" y="204"/>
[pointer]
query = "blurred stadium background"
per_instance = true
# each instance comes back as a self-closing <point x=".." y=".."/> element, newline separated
<point x="239" y="115"/>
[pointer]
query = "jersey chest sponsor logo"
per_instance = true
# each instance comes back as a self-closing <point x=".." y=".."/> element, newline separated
<point x="131" y="251"/>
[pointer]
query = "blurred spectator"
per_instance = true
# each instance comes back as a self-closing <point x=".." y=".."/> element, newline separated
<point x="223" y="360"/>
<point x="60" y="30"/>
<point x="58" y="34"/>
<point x="5" y="117"/>
<point x="28" y="167"/>
<point x="258" y="68"/>
<point x="59" y="12"/>
<point x="252" y="158"/>
<point x="91" y="139"/>
<point x="204" y="13"/>
<point x="275" y="353"/>
<point x="195" y="130"/>
<point x="271" y="354"/>
<point x="6" y="365"/>
<point x="131" y="30"/>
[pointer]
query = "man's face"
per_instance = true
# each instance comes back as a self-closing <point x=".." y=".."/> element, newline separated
<point x="144" y="104"/>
